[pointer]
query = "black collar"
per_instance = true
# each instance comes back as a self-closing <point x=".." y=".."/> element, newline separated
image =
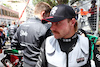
<point x="67" y="45"/>
<point x="69" y="39"/>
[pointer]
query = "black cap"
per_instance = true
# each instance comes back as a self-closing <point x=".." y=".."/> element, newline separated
<point x="60" y="12"/>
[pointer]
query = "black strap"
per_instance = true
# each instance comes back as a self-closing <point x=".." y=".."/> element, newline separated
<point x="88" y="64"/>
<point x="42" y="57"/>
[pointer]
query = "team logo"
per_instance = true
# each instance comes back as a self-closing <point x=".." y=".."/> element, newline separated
<point x="23" y="33"/>
<point x="98" y="57"/>
<point x="53" y="11"/>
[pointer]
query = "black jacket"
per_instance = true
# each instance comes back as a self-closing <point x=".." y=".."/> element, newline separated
<point x="97" y="55"/>
<point x="30" y="35"/>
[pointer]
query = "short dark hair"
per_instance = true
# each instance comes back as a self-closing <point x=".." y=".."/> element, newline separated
<point x="42" y="6"/>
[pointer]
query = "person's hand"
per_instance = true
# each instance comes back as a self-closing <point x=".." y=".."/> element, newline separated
<point x="1" y="29"/>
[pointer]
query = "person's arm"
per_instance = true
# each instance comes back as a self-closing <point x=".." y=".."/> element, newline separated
<point x="42" y="58"/>
<point x="97" y="55"/>
<point x="15" y="44"/>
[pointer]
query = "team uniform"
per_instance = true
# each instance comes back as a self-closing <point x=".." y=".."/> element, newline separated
<point x="71" y="52"/>
<point x="29" y="37"/>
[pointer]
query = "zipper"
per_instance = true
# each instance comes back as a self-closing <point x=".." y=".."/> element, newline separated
<point x="67" y="59"/>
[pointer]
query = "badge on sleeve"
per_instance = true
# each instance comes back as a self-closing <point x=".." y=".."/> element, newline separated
<point x="80" y="60"/>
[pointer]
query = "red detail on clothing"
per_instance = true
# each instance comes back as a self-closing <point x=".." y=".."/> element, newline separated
<point x="0" y="34"/>
<point x="13" y="59"/>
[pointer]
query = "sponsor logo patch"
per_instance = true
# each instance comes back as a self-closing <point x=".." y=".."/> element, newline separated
<point x="80" y="60"/>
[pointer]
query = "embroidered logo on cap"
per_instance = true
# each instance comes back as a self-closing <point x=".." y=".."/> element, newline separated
<point x="53" y="11"/>
<point x="80" y="60"/>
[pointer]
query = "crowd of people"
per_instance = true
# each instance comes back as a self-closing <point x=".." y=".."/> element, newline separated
<point x="51" y="39"/>
<point x="5" y="32"/>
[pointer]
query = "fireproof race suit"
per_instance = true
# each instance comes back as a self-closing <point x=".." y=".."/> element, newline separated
<point x="52" y="54"/>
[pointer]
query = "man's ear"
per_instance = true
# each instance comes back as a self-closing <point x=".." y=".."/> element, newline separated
<point x="73" y="21"/>
<point x="42" y="13"/>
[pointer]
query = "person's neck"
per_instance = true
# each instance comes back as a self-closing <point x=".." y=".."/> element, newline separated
<point x="38" y="16"/>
